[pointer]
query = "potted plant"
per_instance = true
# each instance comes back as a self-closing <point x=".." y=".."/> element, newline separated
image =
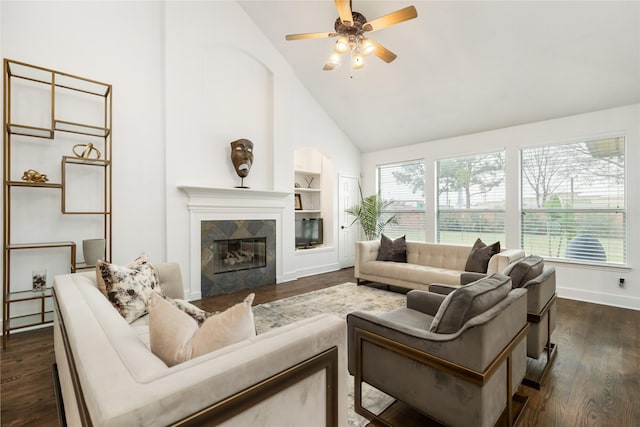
<point x="369" y="213"/>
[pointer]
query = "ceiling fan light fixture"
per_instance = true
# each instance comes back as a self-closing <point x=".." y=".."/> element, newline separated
<point x="342" y="45"/>
<point x="357" y="60"/>
<point x="334" y="60"/>
<point x="367" y="47"/>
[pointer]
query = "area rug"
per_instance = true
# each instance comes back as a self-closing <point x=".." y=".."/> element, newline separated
<point x="339" y="300"/>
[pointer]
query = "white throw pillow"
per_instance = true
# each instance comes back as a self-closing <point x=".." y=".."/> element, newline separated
<point x="176" y="338"/>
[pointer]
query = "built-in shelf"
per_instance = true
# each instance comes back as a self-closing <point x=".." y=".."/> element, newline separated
<point x="19" y="322"/>
<point x="307" y="190"/>
<point x="49" y="104"/>
<point x="24" y="130"/>
<point x="33" y="184"/>
<point x="42" y="245"/>
<point x="29" y="295"/>
<point x="307" y="211"/>
<point x="81" y="129"/>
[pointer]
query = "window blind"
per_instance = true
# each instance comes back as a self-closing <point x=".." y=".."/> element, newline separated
<point x="403" y="183"/>
<point x="573" y="201"/>
<point x="471" y="199"/>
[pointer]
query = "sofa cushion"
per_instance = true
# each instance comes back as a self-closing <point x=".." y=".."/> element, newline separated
<point x="469" y="301"/>
<point x="479" y="257"/>
<point x="175" y="336"/>
<point x="392" y="250"/>
<point x="129" y="288"/>
<point x="524" y="270"/>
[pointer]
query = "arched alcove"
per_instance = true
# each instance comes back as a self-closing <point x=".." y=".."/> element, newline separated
<point x="313" y="188"/>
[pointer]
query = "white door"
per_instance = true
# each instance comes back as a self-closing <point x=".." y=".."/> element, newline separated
<point x="348" y="197"/>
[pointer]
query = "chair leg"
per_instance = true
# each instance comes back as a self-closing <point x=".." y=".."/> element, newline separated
<point x="357" y="388"/>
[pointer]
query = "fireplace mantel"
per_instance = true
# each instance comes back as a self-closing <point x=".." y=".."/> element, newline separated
<point x="228" y="197"/>
<point x="218" y="204"/>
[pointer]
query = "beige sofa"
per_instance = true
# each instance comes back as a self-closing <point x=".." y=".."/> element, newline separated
<point x="291" y="376"/>
<point x="426" y="263"/>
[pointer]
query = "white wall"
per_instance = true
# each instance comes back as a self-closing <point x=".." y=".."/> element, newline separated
<point x="188" y="78"/>
<point x="225" y="81"/>
<point x="118" y="43"/>
<point x="594" y="284"/>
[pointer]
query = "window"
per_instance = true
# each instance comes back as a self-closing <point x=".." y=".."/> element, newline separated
<point x="471" y="199"/>
<point x="573" y="204"/>
<point x="403" y="183"/>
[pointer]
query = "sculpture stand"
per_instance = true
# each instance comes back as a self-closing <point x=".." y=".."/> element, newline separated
<point x="241" y="184"/>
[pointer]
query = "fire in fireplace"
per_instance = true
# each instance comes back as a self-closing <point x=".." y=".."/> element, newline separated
<point x="239" y="254"/>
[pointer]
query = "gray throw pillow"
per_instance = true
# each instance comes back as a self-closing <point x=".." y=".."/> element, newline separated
<point x="392" y="250"/>
<point x="479" y="257"/>
<point x="525" y="269"/>
<point x="469" y="301"/>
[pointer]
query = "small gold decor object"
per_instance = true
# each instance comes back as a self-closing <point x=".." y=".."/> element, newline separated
<point x="88" y="151"/>
<point x="32" y="175"/>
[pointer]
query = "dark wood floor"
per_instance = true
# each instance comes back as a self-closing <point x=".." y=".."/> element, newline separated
<point x="595" y="380"/>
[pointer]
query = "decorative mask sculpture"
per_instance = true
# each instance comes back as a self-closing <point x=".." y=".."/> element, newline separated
<point x="242" y="158"/>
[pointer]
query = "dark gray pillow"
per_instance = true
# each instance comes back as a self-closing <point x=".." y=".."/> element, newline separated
<point x="392" y="250"/>
<point x="526" y="269"/>
<point x="469" y="301"/>
<point x="479" y="257"/>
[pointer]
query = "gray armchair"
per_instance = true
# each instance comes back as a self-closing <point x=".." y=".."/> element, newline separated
<point x="458" y="359"/>
<point x="539" y="280"/>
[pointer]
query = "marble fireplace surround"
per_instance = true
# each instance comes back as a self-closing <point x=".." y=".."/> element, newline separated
<point x="217" y="204"/>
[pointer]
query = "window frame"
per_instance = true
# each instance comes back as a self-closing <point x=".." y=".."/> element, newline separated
<point x="420" y="233"/>
<point x="438" y="210"/>
<point x="535" y="210"/>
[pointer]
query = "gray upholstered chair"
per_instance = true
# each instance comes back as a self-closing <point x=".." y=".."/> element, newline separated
<point x="539" y="280"/>
<point x="458" y="359"/>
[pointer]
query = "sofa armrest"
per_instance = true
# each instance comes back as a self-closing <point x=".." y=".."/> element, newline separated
<point x="424" y="302"/>
<point x="170" y="278"/>
<point x="540" y="290"/>
<point x="500" y="261"/>
<point x="441" y="288"/>
<point x="366" y="250"/>
<point x="468" y="277"/>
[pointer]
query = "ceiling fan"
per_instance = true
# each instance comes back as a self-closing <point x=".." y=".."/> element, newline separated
<point x="351" y="28"/>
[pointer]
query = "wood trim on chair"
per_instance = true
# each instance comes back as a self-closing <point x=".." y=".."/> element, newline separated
<point x="83" y="411"/>
<point x="479" y="378"/>
<point x="245" y="399"/>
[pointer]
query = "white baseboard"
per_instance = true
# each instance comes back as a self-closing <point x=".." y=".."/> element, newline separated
<point x="318" y="269"/>
<point x="632" y="303"/>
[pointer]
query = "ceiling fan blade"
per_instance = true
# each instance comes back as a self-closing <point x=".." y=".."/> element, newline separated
<point x="329" y="66"/>
<point x="344" y="11"/>
<point x="309" y="36"/>
<point x="382" y="52"/>
<point x="393" y="18"/>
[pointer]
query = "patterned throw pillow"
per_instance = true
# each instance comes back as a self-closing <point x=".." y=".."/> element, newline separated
<point x="129" y="288"/>
<point x="175" y="336"/>
<point x="198" y="314"/>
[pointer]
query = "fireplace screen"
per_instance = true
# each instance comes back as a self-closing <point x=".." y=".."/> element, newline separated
<point x="239" y="254"/>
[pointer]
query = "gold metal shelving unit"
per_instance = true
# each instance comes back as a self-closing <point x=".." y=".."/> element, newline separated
<point x="52" y="83"/>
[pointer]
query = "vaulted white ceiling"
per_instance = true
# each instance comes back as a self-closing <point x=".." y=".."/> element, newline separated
<point x="463" y="66"/>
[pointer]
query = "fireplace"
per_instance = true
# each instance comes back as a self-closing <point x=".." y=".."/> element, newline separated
<point x="208" y="205"/>
<point x="237" y="255"/>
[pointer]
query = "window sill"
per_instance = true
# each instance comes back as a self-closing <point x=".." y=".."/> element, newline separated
<point x="587" y="265"/>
